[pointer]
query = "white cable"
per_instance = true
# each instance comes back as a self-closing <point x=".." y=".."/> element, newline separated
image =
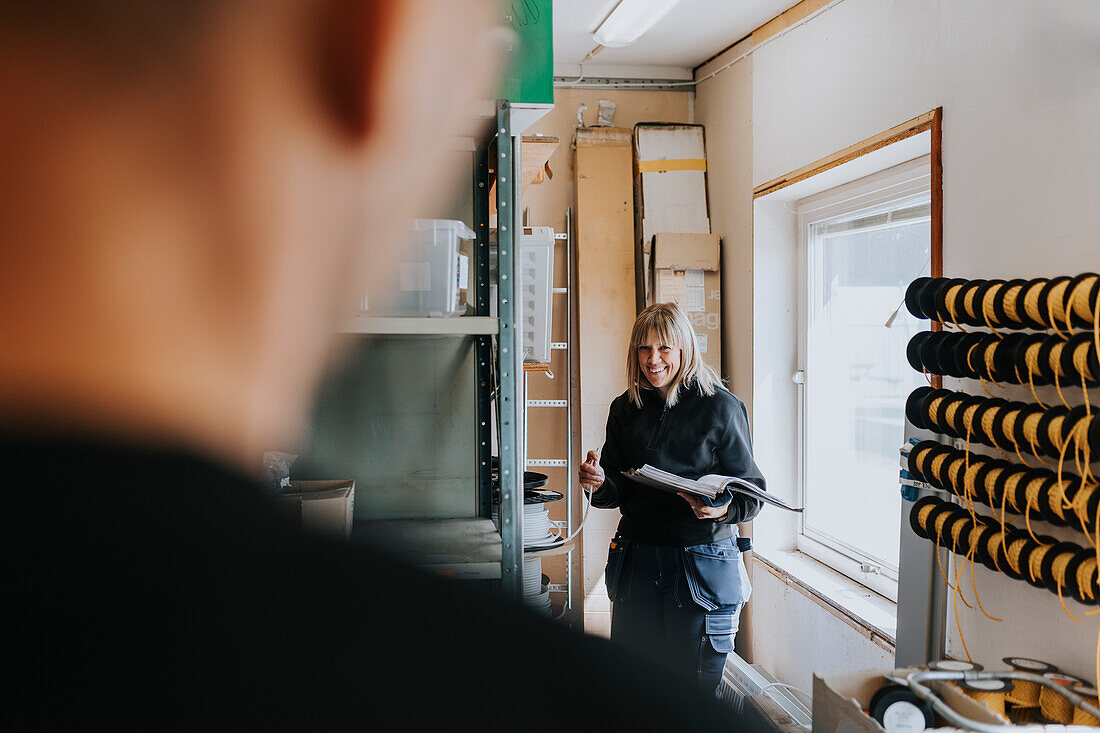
<point x="584" y="518"/>
<point x="765" y="42"/>
<point x="808" y="697"/>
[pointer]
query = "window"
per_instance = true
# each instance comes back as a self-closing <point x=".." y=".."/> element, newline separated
<point x="861" y="245"/>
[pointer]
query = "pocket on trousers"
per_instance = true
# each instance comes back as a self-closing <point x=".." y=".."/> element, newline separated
<point x="721" y="629"/>
<point x="716" y="574"/>
<point x="614" y="578"/>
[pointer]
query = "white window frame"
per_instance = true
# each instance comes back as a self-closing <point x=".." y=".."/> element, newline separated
<point x="894" y="187"/>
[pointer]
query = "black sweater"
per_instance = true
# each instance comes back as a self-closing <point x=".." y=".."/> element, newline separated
<point x="699" y="435"/>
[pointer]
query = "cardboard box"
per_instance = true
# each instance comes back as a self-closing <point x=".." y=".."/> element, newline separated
<point x="840" y="698"/>
<point x="685" y="270"/>
<point x="323" y="507"/>
<point x="670" y="188"/>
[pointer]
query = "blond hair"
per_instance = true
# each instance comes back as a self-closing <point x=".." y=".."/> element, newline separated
<point x="673" y="329"/>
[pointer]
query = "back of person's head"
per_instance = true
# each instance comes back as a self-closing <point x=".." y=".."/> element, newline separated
<point x="191" y="190"/>
<point x="672" y="328"/>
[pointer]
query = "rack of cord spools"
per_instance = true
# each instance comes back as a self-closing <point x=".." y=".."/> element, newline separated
<point x="1027" y="692"/>
<point x="1039" y="332"/>
<point x="541" y="537"/>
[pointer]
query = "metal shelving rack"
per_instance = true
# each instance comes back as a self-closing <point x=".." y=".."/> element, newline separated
<point x="467" y="546"/>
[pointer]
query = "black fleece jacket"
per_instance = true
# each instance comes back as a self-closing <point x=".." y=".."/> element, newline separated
<point x="699" y="435"/>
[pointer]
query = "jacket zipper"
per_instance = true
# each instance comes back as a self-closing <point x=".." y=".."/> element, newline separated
<point x="659" y="431"/>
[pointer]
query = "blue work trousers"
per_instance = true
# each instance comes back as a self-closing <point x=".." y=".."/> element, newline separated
<point x="681" y="604"/>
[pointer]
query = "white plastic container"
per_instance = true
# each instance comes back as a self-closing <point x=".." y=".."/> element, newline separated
<point x="430" y="275"/>
<point x="536" y="265"/>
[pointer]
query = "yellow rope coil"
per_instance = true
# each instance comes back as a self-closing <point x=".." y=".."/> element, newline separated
<point x="1011" y="294"/>
<point x="1078" y="298"/>
<point x="968" y="303"/>
<point x="1080" y="717"/>
<point x="1054" y="706"/>
<point x="987" y="306"/>
<point x="932" y="407"/>
<point x="1031" y="301"/>
<point x="1012" y="553"/>
<point x="1035" y="561"/>
<point x="949" y="412"/>
<point x="1010" y="491"/>
<point x="949" y="301"/>
<point x="1086" y="577"/>
<point x="1056" y="306"/>
<point x="1055" y="498"/>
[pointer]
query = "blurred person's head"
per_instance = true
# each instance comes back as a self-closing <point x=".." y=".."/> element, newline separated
<point x="190" y="189"/>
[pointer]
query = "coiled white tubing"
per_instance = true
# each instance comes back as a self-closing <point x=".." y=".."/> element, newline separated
<point x="536" y="596"/>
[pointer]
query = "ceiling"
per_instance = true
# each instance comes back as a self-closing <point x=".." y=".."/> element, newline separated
<point x="692" y="32"/>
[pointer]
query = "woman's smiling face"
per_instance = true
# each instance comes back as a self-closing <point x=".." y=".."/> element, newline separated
<point x="659" y="362"/>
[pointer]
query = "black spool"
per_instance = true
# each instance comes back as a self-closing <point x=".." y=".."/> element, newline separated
<point x="1043" y="497"/>
<point x="1046" y="567"/>
<point x="968" y="402"/>
<point x="981" y="480"/>
<point x="1044" y="301"/>
<point x="898" y="710"/>
<point x="978" y="429"/>
<point x="939" y="299"/>
<point x="979" y="301"/>
<point x="1000" y="430"/>
<point x="1043" y="438"/>
<point x="943" y="354"/>
<point x="1030" y="546"/>
<point x="913" y="405"/>
<point x="1075" y="318"/>
<point x="927" y="297"/>
<point x="1000" y="484"/>
<point x="1070" y="369"/>
<point x="968" y="345"/>
<point x="914" y="514"/>
<point x="1000" y="310"/>
<point x="978" y="360"/>
<point x="1046" y="367"/>
<point x="912" y="297"/>
<point x="945" y="507"/>
<point x="913" y="350"/>
<point x="1020" y="358"/>
<point x="1069" y="493"/>
<point x="1072" y="584"/>
<point x="1037" y="284"/>
<point x="1008" y="357"/>
<point x="1034" y="666"/>
<point x="971" y="293"/>
<point x="925" y="446"/>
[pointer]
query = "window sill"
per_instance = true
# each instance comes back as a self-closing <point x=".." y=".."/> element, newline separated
<point x="863" y="609"/>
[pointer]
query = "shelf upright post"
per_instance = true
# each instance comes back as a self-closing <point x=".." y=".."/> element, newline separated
<point x="484" y="347"/>
<point x="511" y="362"/>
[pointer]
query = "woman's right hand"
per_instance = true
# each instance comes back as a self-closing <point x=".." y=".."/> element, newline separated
<point x="590" y="474"/>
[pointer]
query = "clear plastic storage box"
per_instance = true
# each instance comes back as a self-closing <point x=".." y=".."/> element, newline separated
<point x="430" y="274"/>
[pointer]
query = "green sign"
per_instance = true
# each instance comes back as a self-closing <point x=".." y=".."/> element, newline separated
<point x="529" y="76"/>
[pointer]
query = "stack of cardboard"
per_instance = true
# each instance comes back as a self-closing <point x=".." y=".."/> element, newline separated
<point x="677" y="258"/>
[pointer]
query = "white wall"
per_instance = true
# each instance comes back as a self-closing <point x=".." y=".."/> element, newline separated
<point x="1019" y="83"/>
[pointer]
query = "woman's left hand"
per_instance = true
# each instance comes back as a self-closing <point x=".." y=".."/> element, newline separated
<point x="703" y="510"/>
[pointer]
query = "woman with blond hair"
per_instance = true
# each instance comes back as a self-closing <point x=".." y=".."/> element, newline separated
<point x="674" y="569"/>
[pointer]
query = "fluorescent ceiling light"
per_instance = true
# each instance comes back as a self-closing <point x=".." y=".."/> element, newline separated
<point x="630" y="20"/>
